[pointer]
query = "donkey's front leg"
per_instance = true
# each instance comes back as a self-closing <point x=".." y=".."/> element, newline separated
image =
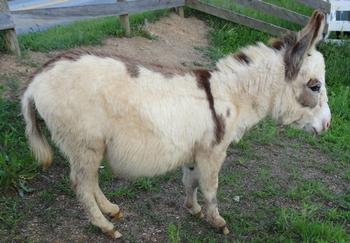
<point x="190" y="181"/>
<point x="209" y="167"/>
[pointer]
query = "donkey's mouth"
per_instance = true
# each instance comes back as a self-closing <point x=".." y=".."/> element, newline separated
<point x="311" y="129"/>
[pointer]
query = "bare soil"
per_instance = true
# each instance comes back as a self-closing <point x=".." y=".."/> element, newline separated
<point x="52" y="214"/>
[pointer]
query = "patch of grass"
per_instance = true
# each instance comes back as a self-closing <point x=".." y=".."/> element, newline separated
<point x="10" y="213"/>
<point x="292" y="5"/>
<point x="86" y="32"/>
<point x="347" y="175"/>
<point x="124" y="192"/>
<point x="147" y="184"/>
<point x="63" y="185"/>
<point x="307" y="226"/>
<point x="16" y="164"/>
<point x="47" y="196"/>
<point x="270" y="186"/>
<point x="173" y="234"/>
<point x="309" y="189"/>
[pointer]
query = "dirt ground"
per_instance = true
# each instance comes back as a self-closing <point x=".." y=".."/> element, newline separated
<point x="51" y="213"/>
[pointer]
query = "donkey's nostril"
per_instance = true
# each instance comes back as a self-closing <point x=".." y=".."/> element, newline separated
<point x="326" y="125"/>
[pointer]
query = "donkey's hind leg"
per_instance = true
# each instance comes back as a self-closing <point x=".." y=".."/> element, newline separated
<point x="85" y="162"/>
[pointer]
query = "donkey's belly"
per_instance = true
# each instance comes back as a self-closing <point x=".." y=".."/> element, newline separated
<point x="140" y="156"/>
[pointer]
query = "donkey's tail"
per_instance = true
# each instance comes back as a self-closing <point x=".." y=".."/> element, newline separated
<point x="38" y="143"/>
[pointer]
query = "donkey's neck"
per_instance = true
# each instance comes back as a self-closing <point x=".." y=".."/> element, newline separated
<point x="250" y="78"/>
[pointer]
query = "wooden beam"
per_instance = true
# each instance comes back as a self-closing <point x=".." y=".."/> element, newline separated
<point x="274" y="10"/>
<point x="6" y="21"/>
<point x="180" y="11"/>
<point x="237" y="18"/>
<point x="10" y="38"/>
<point x="111" y="9"/>
<point x="317" y="4"/>
<point x="124" y="21"/>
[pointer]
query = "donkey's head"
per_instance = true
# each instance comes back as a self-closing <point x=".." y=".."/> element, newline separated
<point x="304" y="103"/>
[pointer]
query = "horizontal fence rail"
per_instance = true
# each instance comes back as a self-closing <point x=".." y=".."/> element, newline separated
<point x="112" y="9"/>
<point x="6" y="21"/>
<point x="316" y="4"/>
<point x="274" y="10"/>
<point x="235" y="17"/>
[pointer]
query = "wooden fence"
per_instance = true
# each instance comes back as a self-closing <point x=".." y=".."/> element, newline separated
<point x="122" y="8"/>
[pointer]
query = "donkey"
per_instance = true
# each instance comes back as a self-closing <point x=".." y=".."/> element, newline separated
<point x="147" y="120"/>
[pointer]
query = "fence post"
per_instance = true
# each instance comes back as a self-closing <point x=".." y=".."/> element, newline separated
<point x="180" y="11"/>
<point x="10" y="37"/>
<point x="124" y="20"/>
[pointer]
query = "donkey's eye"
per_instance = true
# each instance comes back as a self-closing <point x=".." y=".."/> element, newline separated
<point x="314" y="85"/>
<point x="316" y="88"/>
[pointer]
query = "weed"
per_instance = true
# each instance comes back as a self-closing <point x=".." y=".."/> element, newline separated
<point x="147" y="184"/>
<point x="173" y="234"/>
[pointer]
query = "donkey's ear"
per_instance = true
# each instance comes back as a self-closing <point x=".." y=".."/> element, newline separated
<point x="307" y="39"/>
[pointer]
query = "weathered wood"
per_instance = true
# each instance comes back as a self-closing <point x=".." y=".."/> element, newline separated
<point x="10" y="38"/>
<point x="6" y="21"/>
<point x="275" y="11"/>
<point x="11" y="42"/>
<point x="317" y="4"/>
<point x="235" y="17"/>
<point x="180" y="11"/>
<point x="112" y="9"/>
<point x="124" y="21"/>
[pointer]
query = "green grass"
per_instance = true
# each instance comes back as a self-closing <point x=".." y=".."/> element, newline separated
<point x="258" y="14"/>
<point x="173" y="234"/>
<point x="307" y="225"/>
<point x="86" y="32"/>
<point x="16" y="163"/>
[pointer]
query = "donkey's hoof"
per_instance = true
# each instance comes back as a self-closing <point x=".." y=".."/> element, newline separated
<point x="117" y="216"/>
<point x="199" y="215"/>
<point x="114" y="234"/>
<point x="225" y="230"/>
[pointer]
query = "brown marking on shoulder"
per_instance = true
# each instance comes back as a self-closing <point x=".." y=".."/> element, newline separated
<point x="228" y="112"/>
<point x="242" y="57"/>
<point x="203" y="81"/>
<point x="220" y="130"/>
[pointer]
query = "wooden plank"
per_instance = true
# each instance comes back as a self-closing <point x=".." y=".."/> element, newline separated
<point x="11" y="42"/>
<point x="6" y="21"/>
<point x="237" y="18"/>
<point x="316" y="4"/>
<point x="111" y="9"/>
<point x="10" y="38"/>
<point x="124" y="21"/>
<point x="275" y="11"/>
<point x="180" y="11"/>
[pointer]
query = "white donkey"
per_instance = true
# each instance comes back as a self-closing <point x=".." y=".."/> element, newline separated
<point x="147" y="120"/>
